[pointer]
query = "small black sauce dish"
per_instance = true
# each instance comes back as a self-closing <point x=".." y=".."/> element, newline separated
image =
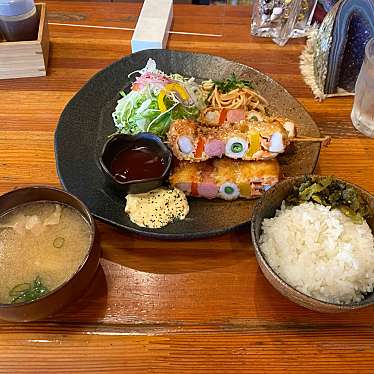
<point x="120" y="147"/>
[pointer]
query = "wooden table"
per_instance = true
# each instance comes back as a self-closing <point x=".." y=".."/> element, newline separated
<point x="161" y="306"/>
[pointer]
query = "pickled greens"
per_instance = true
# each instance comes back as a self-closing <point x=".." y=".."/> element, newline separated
<point x="328" y="191"/>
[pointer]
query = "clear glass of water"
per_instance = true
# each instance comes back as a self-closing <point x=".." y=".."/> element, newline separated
<point x="363" y="106"/>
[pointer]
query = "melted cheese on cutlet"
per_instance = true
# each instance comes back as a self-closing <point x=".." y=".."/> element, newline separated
<point x="225" y="171"/>
<point x="185" y="172"/>
<point x="258" y="170"/>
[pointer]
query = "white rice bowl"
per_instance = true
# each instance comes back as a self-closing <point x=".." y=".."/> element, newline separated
<point x="320" y="252"/>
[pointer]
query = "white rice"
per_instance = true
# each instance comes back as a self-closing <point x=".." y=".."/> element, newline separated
<point x="320" y="252"/>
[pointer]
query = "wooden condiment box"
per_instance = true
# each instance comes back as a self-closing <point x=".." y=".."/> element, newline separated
<point x="26" y="58"/>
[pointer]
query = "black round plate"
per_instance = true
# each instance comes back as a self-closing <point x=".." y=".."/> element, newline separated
<point x="86" y="123"/>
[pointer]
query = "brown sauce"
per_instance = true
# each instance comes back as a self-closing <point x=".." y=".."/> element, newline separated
<point x="137" y="163"/>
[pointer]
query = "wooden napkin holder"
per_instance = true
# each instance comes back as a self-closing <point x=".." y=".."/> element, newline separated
<point x="27" y="58"/>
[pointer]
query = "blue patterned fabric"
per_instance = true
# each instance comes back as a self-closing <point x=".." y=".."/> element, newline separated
<point x="353" y="27"/>
<point x="358" y="36"/>
<point x="328" y="4"/>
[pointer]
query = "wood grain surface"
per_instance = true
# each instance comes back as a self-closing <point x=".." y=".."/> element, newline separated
<point x="170" y="307"/>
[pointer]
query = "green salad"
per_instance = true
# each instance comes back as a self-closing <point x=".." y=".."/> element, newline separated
<point x="155" y="100"/>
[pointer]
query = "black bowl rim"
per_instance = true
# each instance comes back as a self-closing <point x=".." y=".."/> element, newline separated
<point x="141" y="135"/>
<point x="91" y="223"/>
<point x="259" y="253"/>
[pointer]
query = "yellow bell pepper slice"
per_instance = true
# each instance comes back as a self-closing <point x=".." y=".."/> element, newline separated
<point x="255" y="144"/>
<point x="245" y="190"/>
<point x="169" y="88"/>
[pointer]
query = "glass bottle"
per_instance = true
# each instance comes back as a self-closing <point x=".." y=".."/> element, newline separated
<point x="282" y="19"/>
<point x="363" y="107"/>
<point x="18" y="20"/>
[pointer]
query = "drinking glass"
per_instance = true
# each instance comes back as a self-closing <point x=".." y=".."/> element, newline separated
<point x="363" y="107"/>
<point x="282" y="19"/>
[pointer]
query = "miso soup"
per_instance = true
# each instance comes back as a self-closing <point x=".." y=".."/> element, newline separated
<point x="42" y="244"/>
